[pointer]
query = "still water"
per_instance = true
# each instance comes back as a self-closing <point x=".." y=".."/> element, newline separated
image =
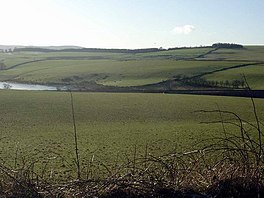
<point x="23" y="86"/>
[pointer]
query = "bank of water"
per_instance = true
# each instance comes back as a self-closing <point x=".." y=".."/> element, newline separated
<point x="35" y="87"/>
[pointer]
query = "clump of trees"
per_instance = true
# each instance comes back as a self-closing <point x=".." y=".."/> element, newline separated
<point x="7" y="86"/>
<point x="6" y="50"/>
<point x="196" y="47"/>
<point x="227" y="45"/>
<point x="2" y="66"/>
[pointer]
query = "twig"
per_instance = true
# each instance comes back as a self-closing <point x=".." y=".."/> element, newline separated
<point x="75" y="139"/>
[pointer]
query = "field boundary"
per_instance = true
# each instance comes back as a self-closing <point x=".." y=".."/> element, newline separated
<point x="228" y="68"/>
<point x="207" y="53"/>
<point x="209" y="92"/>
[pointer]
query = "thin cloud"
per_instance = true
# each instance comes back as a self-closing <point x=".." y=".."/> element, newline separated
<point x="185" y="29"/>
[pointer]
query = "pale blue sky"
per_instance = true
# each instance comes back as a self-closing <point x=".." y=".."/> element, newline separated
<point x="131" y="23"/>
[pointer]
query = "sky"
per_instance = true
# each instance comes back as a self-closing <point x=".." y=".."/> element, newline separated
<point x="131" y="23"/>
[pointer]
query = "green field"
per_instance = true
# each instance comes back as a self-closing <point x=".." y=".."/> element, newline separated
<point x="11" y="59"/>
<point x="253" y="53"/>
<point x="38" y="125"/>
<point x="109" y="72"/>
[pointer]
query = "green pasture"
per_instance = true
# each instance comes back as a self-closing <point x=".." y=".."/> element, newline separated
<point x="38" y="125"/>
<point x="176" y="54"/>
<point x="109" y="72"/>
<point x="11" y="59"/>
<point x="251" y="53"/>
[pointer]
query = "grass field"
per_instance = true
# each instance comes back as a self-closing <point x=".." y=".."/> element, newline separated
<point x="252" y="53"/>
<point x="38" y="125"/>
<point x="109" y="72"/>
<point x="11" y="59"/>
<point x="176" y="54"/>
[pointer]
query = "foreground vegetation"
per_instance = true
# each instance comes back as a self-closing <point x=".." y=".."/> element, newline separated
<point x="129" y="144"/>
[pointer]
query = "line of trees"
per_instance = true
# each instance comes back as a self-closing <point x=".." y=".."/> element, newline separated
<point x="201" y="82"/>
<point x="198" y="47"/>
<point x="145" y="50"/>
<point x="6" y="50"/>
<point x="33" y="49"/>
<point x="227" y="45"/>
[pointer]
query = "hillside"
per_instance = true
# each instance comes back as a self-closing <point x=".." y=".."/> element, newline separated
<point x="102" y="69"/>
